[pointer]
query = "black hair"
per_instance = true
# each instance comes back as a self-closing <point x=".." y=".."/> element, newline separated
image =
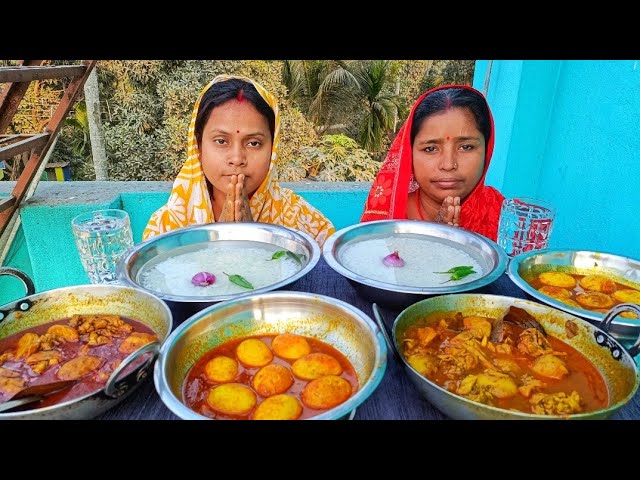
<point x="221" y="92"/>
<point x="444" y="99"/>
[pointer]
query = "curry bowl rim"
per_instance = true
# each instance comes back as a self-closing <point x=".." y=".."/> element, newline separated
<point x="452" y="397"/>
<point x="179" y="408"/>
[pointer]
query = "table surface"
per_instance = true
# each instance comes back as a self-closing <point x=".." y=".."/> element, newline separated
<point x="396" y="398"/>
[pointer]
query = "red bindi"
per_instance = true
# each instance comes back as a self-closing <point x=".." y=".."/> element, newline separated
<point x="237" y="131"/>
<point x="447" y="138"/>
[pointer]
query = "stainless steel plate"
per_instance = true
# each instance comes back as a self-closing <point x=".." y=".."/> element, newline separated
<point x="486" y="252"/>
<point x="295" y="241"/>
<point x="623" y="270"/>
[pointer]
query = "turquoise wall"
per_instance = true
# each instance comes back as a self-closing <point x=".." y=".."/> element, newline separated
<point x="140" y="207"/>
<point x="566" y="132"/>
<point x="44" y="246"/>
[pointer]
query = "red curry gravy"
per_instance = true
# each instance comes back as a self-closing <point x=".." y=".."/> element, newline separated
<point x="455" y="365"/>
<point x="197" y="385"/>
<point x="16" y="369"/>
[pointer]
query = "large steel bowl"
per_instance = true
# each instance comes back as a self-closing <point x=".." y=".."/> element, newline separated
<point x="485" y="251"/>
<point x="183" y="307"/>
<point x="526" y="266"/>
<point x="616" y="364"/>
<point x="332" y="321"/>
<point x="52" y="305"/>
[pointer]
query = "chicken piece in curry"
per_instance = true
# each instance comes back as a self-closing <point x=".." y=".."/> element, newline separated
<point x="508" y="362"/>
<point x="87" y="348"/>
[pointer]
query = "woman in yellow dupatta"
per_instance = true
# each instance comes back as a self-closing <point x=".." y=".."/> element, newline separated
<point x="230" y="173"/>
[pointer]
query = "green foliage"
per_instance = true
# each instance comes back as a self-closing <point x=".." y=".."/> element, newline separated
<point x="322" y="89"/>
<point x="297" y="132"/>
<point x="79" y="142"/>
<point x="375" y="79"/>
<point x="356" y="98"/>
<point x="338" y="158"/>
<point x="411" y="74"/>
<point x="449" y="71"/>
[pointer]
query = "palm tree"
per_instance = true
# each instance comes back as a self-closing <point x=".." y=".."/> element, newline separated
<point x="321" y="89"/>
<point x="354" y="95"/>
<point x="376" y="82"/>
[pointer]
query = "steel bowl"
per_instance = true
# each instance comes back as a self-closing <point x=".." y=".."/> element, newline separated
<point x="485" y="251"/>
<point x="183" y="307"/>
<point x="526" y="266"/>
<point x="332" y="321"/>
<point x="49" y="306"/>
<point x="616" y="364"/>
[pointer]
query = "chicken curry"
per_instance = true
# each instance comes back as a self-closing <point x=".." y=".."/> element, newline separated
<point x="269" y="377"/>
<point x="507" y="362"/>
<point x="87" y="348"/>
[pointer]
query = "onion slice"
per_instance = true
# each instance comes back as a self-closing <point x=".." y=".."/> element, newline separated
<point x="203" y="279"/>
<point x="393" y="260"/>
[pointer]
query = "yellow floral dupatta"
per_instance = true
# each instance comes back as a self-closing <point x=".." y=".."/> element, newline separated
<point x="189" y="202"/>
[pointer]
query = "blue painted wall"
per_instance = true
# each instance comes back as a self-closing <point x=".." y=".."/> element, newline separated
<point x="566" y="132"/>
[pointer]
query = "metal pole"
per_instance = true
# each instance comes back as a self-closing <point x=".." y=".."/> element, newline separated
<point x="487" y="78"/>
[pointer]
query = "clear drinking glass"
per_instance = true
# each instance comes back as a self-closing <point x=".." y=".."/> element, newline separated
<point x="102" y="238"/>
<point x="525" y="224"/>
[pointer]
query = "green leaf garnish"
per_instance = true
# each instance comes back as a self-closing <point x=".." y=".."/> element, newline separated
<point x="239" y="280"/>
<point x="297" y="258"/>
<point x="282" y="253"/>
<point x="458" y="273"/>
<point x="278" y="254"/>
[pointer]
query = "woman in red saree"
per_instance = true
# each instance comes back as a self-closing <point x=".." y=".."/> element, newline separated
<point x="436" y="167"/>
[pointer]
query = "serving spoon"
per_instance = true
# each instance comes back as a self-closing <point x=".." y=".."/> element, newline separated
<point x="35" y="393"/>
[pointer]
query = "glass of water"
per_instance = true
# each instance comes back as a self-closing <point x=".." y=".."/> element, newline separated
<point x="525" y="224"/>
<point x="102" y="238"/>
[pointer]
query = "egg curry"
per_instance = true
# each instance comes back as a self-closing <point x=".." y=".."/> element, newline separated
<point x="269" y="377"/>
<point x="595" y="292"/>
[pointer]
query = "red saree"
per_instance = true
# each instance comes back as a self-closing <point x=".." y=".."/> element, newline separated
<point x="390" y="191"/>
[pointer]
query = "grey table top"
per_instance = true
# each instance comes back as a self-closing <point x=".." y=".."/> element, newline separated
<point x="395" y="398"/>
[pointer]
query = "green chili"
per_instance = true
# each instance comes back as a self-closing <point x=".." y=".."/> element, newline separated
<point x="458" y="273"/>
<point x="282" y="253"/>
<point x="239" y="280"/>
<point x="278" y="254"/>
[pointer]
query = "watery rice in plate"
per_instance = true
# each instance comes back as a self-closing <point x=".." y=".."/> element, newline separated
<point x="172" y="273"/>
<point x="424" y="260"/>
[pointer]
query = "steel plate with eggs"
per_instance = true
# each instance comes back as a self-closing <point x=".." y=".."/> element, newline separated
<point x="581" y="282"/>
